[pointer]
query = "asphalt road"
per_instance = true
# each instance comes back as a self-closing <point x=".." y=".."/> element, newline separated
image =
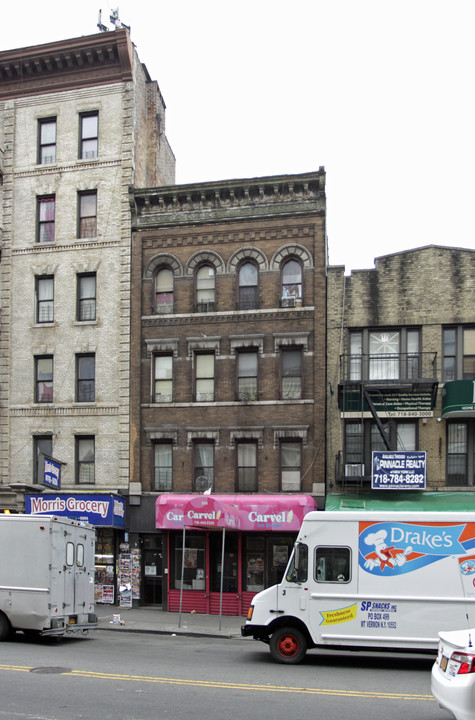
<point x="130" y="676"/>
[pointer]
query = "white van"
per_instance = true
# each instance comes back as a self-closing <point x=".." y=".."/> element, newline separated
<point x="387" y="580"/>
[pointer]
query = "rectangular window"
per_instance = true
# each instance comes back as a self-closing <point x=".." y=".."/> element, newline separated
<point x="413" y="356"/>
<point x="86" y="300"/>
<point x="204" y="377"/>
<point x="458" y="353"/>
<point x="85" y="460"/>
<point x="42" y="445"/>
<point x="291" y="374"/>
<point x="290" y="465"/>
<point x="163" y="390"/>
<point x="89" y="136"/>
<point x="87" y="215"/>
<point x="203" y="466"/>
<point x="194" y="567"/>
<point x="384" y="355"/>
<point x="468" y="369"/>
<point x="44" y="379"/>
<point x="47" y="141"/>
<point x="44" y="293"/>
<point x="85" y="375"/>
<point x="333" y="564"/>
<point x="163" y="467"/>
<point x="247" y="466"/>
<point x="449" y="359"/>
<point x="45" y="221"/>
<point x="247" y="376"/>
<point x="356" y="355"/>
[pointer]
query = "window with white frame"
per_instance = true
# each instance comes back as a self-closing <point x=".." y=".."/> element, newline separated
<point x="85" y="377"/>
<point x="204" y="377"/>
<point x="164" y="290"/>
<point x="87" y="202"/>
<point x="385" y="354"/>
<point x="248" y="279"/>
<point x="290" y="465"/>
<point x="163" y="467"/>
<point x="163" y="378"/>
<point x="458" y="353"/>
<point x="42" y="445"/>
<point x="46" y="218"/>
<point x="44" y="299"/>
<point x="247" y="375"/>
<point x="205" y="288"/>
<point x="203" y="452"/>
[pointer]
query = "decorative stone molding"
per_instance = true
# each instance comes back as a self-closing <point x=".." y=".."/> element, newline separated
<point x="154" y="435"/>
<point x="250" y="433"/>
<point x="290" y="339"/>
<point x="290" y="433"/>
<point x="163" y="259"/>
<point x="248" y="253"/>
<point x="202" y="257"/>
<point x="237" y="342"/>
<point x="212" y="435"/>
<point x="203" y="343"/>
<point x="291" y="250"/>
<point x="163" y="345"/>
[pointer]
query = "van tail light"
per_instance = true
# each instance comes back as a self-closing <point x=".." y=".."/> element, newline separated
<point x="467" y="662"/>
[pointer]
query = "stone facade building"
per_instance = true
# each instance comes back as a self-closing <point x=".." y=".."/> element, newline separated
<point x="228" y="341"/>
<point x="401" y="366"/>
<point x="80" y="122"/>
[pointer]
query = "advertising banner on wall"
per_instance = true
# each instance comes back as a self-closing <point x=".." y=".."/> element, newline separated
<point x="399" y="470"/>
<point x="98" y="510"/>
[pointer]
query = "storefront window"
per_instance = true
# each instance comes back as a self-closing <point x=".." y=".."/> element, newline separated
<point x="265" y="560"/>
<point x="104" y="569"/>
<point x="230" y="577"/>
<point x="152" y="563"/>
<point x="194" y="568"/>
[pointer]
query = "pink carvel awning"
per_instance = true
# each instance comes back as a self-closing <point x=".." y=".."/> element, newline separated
<point x="274" y="513"/>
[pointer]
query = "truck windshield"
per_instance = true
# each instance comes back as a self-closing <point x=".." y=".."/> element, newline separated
<point x="298" y="566"/>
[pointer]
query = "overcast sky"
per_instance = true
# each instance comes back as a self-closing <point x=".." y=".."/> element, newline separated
<point x="379" y="92"/>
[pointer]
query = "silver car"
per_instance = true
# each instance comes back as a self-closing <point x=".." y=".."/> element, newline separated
<point x="453" y="673"/>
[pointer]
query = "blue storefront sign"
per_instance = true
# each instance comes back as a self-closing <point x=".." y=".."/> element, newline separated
<point x="96" y="509"/>
<point x="52" y="473"/>
<point x="399" y="470"/>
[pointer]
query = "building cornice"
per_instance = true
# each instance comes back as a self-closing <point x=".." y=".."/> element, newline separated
<point x="69" y="64"/>
<point x="255" y="198"/>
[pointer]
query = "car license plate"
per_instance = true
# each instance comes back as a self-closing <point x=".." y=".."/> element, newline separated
<point x="443" y="663"/>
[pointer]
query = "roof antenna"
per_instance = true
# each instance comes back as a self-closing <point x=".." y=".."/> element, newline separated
<point x="101" y="27"/>
<point x="115" y="20"/>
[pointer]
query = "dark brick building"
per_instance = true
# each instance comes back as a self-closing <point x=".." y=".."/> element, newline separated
<point x="228" y="343"/>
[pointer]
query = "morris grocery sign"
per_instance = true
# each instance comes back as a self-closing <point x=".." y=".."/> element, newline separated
<point x="106" y="510"/>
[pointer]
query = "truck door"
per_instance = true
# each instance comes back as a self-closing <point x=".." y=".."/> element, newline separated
<point x="293" y="592"/>
<point x="83" y="571"/>
<point x="69" y="573"/>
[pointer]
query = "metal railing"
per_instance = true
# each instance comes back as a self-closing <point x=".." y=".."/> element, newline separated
<point x="390" y="367"/>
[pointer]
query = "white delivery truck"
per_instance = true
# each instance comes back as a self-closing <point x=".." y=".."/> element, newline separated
<point x="386" y="580"/>
<point x="46" y="575"/>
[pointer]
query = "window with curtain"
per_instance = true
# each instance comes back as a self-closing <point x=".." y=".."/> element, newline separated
<point x="164" y="291"/>
<point x="204" y="377"/>
<point x="87" y="214"/>
<point x="290" y="465"/>
<point x="44" y="379"/>
<point x="163" y="467"/>
<point x="45" y="299"/>
<point x="85" y="378"/>
<point x="89" y="139"/>
<point x="86" y="300"/>
<point x="247" y="376"/>
<point x="47" y="141"/>
<point x="247" y="466"/>
<point x="291" y="385"/>
<point x="384" y="355"/>
<point x="163" y="391"/>
<point x="205" y="288"/>
<point x="292" y="280"/>
<point x="46" y="213"/>
<point x="248" y="286"/>
<point x="203" y="466"/>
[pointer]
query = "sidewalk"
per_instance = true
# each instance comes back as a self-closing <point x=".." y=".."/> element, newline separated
<point x="154" y="620"/>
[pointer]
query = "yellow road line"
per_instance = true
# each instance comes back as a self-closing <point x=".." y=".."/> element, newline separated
<point x="362" y="694"/>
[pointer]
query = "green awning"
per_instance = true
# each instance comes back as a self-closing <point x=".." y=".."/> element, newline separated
<point x="412" y="500"/>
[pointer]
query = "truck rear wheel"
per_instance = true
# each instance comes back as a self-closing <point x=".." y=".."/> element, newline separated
<point x="5" y="628"/>
<point x="288" y="645"/>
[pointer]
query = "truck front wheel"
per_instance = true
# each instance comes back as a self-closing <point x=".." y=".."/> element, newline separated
<point x="288" y="645"/>
<point x="5" y="629"/>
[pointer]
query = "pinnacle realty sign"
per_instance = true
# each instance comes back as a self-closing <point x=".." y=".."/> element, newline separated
<point x="399" y="470"/>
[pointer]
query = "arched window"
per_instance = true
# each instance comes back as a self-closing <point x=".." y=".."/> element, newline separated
<point x="205" y="288"/>
<point x="248" y="286"/>
<point x="291" y="282"/>
<point x="164" y="291"/>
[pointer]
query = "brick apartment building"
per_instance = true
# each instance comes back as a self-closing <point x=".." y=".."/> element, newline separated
<point x="228" y="354"/>
<point x="401" y="373"/>
<point x="80" y="122"/>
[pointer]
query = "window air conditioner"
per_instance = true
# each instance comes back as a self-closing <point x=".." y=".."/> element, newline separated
<point x="354" y="470"/>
